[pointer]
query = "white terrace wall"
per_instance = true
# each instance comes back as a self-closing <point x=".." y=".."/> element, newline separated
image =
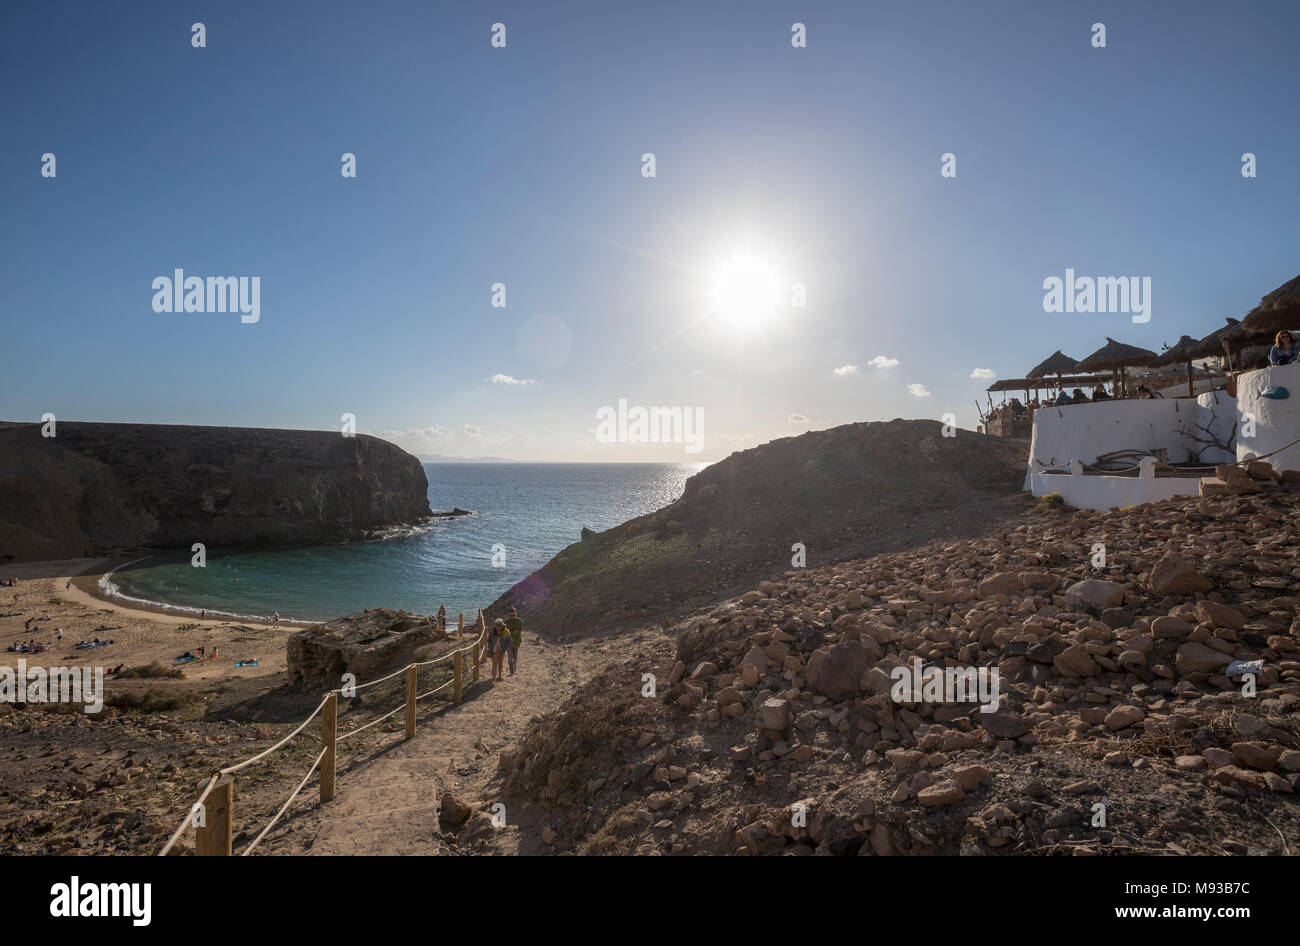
<point x="1106" y="492"/>
<point x="1277" y="422"/>
<point x="1085" y="431"/>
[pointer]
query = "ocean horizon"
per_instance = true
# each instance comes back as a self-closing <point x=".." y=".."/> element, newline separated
<point x="522" y="515"/>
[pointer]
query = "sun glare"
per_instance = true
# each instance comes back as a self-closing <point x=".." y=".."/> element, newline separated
<point x="746" y="290"/>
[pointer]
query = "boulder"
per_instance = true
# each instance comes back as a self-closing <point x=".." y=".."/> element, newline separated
<point x="1254" y="754"/>
<point x="1220" y="615"/>
<point x="1197" y="658"/>
<point x="452" y="810"/>
<point x="1173" y="575"/>
<point x="1121" y="717"/>
<point x="1003" y="583"/>
<point x="1075" y="662"/>
<point x="836" y="672"/>
<point x="1096" y="593"/>
<point x="774" y="714"/>
<point x="941" y="794"/>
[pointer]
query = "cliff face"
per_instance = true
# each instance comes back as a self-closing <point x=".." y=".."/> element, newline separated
<point x="842" y="493"/>
<point x="97" y="488"/>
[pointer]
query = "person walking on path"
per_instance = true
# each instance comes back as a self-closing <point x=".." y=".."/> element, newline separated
<point x="497" y="646"/>
<point x="516" y="628"/>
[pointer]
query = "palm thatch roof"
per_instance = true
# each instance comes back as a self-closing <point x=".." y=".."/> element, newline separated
<point x="1211" y="346"/>
<point x="1056" y="363"/>
<point x="1278" y="310"/>
<point x="1114" y="355"/>
<point x="1025" y="384"/>
<point x="1179" y="354"/>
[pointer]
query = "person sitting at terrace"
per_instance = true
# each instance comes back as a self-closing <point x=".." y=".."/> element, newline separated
<point x="1283" y="351"/>
<point x="1099" y="394"/>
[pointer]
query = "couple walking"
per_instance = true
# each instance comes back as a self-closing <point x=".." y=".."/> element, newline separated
<point x="504" y="641"/>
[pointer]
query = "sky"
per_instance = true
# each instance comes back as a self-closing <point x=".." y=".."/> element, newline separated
<point x="775" y="166"/>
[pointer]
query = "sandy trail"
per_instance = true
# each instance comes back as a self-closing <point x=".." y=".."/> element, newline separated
<point x="387" y="800"/>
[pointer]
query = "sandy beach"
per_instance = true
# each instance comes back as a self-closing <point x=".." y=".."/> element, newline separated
<point x="67" y="591"/>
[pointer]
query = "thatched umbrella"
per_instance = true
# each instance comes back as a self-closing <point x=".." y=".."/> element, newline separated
<point x="1056" y="364"/>
<point x="1232" y="337"/>
<point x="1116" y="356"/>
<point x="1278" y="310"/>
<point x="1179" y="354"/>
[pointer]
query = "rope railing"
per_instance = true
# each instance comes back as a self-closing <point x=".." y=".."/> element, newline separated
<point x="214" y="834"/>
<point x="230" y="769"/>
<point x="285" y="807"/>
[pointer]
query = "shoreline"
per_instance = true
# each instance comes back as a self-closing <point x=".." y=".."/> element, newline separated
<point x="127" y="602"/>
<point x="85" y="590"/>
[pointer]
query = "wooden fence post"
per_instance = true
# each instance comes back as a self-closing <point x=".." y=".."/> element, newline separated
<point x="459" y="662"/>
<point x="213" y="837"/>
<point x="478" y="643"/>
<point x="410" y="701"/>
<point x="329" y="734"/>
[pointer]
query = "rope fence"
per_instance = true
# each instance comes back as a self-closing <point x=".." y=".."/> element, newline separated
<point x="213" y="820"/>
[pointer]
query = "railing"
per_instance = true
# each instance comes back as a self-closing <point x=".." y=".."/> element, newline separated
<point x="214" y="829"/>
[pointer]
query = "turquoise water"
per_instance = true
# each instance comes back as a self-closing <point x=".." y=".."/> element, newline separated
<point x="533" y="510"/>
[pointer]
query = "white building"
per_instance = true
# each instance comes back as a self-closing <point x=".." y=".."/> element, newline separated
<point x="1067" y="438"/>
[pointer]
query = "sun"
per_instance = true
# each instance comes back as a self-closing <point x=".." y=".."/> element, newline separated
<point x="745" y="290"/>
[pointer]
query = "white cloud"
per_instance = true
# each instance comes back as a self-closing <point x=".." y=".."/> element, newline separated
<point x="797" y="418"/>
<point x="882" y="362"/>
<point x="984" y="373"/>
<point x="506" y="379"/>
<point x="918" y="390"/>
<point x="843" y="370"/>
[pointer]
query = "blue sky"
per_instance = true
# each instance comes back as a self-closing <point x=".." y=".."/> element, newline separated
<point x="522" y="165"/>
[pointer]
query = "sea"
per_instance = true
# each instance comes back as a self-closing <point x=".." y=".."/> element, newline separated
<point x="522" y="514"/>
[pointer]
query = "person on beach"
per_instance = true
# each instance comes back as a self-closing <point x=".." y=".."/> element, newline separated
<point x="498" y="644"/>
<point x="275" y="619"/>
<point x="1283" y="351"/>
<point x="516" y="628"/>
<point x="58" y="632"/>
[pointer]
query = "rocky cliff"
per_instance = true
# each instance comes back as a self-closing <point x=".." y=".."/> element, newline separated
<point x="839" y="493"/>
<point x="99" y="488"/>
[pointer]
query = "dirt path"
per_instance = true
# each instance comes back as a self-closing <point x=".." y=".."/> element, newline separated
<point x="387" y="800"/>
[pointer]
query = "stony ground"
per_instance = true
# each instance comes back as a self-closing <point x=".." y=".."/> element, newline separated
<point x="772" y="728"/>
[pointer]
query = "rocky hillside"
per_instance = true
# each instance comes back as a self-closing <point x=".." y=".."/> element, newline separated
<point x="97" y="488"/>
<point x="774" y="728"/>
<point x="841" y="492"/>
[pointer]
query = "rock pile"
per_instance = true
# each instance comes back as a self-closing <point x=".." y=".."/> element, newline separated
<point x="365" y="644"/>
<point x="1124" y="721"/>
